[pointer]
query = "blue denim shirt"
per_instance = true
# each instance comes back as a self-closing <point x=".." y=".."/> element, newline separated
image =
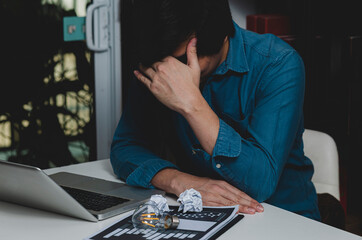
<point x="257" y="93"/>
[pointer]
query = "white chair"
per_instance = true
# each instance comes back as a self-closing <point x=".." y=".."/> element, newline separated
<point x="322" y="150"/>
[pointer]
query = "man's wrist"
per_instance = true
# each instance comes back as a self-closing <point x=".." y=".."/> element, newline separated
<point x="198" y="106"/>
<point x="169" y="180"/>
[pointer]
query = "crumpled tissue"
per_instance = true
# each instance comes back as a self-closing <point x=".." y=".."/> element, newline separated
<point x="190" y="200"/>
<point x="161" y="202"/>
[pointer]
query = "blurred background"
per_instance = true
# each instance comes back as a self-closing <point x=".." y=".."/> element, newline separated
<point x="47" y="86"/>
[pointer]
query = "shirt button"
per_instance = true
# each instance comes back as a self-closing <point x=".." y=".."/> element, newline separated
<point x="218" y="165"/>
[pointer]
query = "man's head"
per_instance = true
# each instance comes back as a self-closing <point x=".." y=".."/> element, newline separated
<point x="163" y="27"/>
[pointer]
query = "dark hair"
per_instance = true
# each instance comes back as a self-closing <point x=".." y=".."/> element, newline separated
<point x="160" y="26"/>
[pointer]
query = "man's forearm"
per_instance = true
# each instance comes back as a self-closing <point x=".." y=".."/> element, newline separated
<point x="205" y="124"/>
<point x="173" y="181"/>
<point x="213" y="192"/>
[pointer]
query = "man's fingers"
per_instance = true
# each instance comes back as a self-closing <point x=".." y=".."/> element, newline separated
<point x="216" y="198"/>
<point x="216" y="188"/>
<point x="149" y="72"/>
<point x="239" y="197"/>
<point x="255" y="204"/>
<point x="217" y="193"/>
<point x="192" y="60"/>
<point x="143" y="79"/>
<point x="246" y="209"/>
<point x="155" y="66"/>
<point x="246" y="205"/>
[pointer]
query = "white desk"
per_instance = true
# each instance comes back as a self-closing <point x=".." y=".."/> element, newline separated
<point x="17" y="222"/>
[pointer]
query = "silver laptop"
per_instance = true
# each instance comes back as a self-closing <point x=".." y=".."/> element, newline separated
<point x="69" y="194"/>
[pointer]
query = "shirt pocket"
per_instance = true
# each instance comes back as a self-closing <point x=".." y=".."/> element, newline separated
<point x="239" y="125"/>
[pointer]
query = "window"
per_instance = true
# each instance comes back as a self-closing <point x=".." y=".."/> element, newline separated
<point x="47" y="107"/>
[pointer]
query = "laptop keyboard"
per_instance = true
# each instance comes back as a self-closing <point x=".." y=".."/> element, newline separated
<point x="94" y="201"/>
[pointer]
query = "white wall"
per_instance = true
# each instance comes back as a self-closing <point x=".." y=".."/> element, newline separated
<point x="240" y="9"/>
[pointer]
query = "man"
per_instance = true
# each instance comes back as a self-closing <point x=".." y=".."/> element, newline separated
<point x="226" y="102"/>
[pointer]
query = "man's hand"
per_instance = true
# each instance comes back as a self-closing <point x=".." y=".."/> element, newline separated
<point x="213" y="192"/>
<point x="221" y="193"/>
<point x="173" y="83"/>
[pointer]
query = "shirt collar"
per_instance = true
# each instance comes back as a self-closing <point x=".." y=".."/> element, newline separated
<point x="236" y="58"/>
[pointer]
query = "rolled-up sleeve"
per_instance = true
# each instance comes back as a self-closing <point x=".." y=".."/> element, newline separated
<point x="134" y="154"/>
<point x="254" y="163"/>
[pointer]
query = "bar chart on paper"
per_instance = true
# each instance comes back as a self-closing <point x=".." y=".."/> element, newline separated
<point x="199" y="225"/>
<point x="128" y="231"/>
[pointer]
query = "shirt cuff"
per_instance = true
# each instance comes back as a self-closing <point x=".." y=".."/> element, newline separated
<point x="228" y="142"/>
<point x="143" y="175"/>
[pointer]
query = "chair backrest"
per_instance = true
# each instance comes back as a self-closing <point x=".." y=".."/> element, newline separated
<point x="321" y="149"/>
